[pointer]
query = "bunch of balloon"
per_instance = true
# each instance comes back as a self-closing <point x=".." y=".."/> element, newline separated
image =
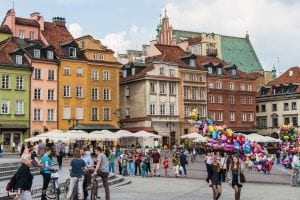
<point x="289" y="137"/>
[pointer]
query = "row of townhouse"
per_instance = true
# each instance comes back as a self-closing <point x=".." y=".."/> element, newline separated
<point x="49" y="80"/>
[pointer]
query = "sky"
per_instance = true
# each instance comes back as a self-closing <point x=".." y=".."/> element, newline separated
<point x="273" y="25"/>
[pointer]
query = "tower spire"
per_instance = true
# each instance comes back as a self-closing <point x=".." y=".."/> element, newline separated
<point x="13" y="4"/>
<point x="166" y="13"/>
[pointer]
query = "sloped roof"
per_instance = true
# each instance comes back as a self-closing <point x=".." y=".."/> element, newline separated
<point x="57" y="35"/>
<point x="239" y="51"/>
<point x="5" y="29"/>
<point x="27" y="22"/>
<point x="292" y="75"/>
<point x="6" y="47"/>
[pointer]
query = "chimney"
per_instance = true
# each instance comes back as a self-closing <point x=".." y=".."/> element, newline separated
<point x="59" y="21"/>
<point x="40" y="19"/>
<point x="10" y="21"/>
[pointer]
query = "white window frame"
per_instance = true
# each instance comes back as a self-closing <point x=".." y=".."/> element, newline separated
<point x="162" y="71"/>
<point x="172" y="88"/>
<point x="231" y="100"/>
<point x="152" y="87"/>
<point x="67" y="91"/>
<point x="232" y="116"/>
<point x="37" y="53"/>
<point x="211" y="99"/>
<point x="218" y="85"/>
<point x="242" y="87"/>
<point x="251" y="117"/>
<point x="172" y="72"/>
<point x="186" y="93"/>
<point x="50" y="55"/>
<point x="162" y="88"/>
<point x="37" y="94"/>
<point x="51" y="75"/>
<point x="50" y="95"/>
<point x="67" y="112"/>
<point x="231" y="86"/>
<point x="67" y="71"/>
<point x="21" y="34"/>
<point x="95" y="74"/>
<point x="106" y="94"/>
<point x="19" y="59"/>
<point x="194" y="77"/>
<point x="95" y="94"/>
<point x="79" y="71"/>
<point x="106" y="75"/>
<point x="162" y="109"/>
<point x="5" y="81"/>
<point x="244" y="117"/>
<point x="20" y="83"/>
<point x="5" y="107"/>
<point x="31" y="35"/>
<point x="37" y="73"/>
<point x="106" y="114"/>
<point x="187" y="77"/>
<point x="152" y="109"/>
<point x="194" y="93"/>
<point x="50" y="115"/>
<point x="219" y="116"/>
<point x="172" y="109"/>
<point x="36" y="114"/>
<point x="19" y="107"/>
<point x="79" y="92"/>
<point x="94" y="113"/>
<point x="209" y="70"/>
<point x="79" y="113"/>
<point x="72" y="52"/>
<point x="249" y="88"/>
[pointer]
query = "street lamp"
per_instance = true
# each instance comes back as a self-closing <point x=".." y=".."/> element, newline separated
<point x="73" y="121"/>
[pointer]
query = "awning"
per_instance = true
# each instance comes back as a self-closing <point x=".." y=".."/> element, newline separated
<point x="94" y="127"/>
<point x="14" y="126"/>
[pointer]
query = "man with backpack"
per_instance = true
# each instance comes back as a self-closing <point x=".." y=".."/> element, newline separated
<point x="59" y="151"/>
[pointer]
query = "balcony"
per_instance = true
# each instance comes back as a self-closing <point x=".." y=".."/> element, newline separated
<point x="212" y="52"/>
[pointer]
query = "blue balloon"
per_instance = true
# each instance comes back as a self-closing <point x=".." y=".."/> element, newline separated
<point x="236" y="145"/>
<point x="214" y="134"/>
<point x="247" y="149"/>
<point x="209" y="121"/>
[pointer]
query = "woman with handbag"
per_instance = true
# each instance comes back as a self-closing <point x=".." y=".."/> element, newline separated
<point x="236" y="176"/>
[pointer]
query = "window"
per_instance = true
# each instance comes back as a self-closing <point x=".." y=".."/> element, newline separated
<point x="127" y="112"/>
<point x="37" y="114"/>
<point x="19" y="83"/>
<point x="152" y="87"/>
<point x="106" y="114"/>
<point x="72" y="52"/>
<point x="219" y="116"/>
<point x="263" y="108"/>
<point x="127" y="91"/>
<point x="162" y="71"/>
<point x="244" y="117"/>
<point x="125" y="73"/>
<point x="5" y="107"/>
<point x="37" y="94"/>
<point x="95" y="75"/>
<point x="172" y="88"/>
<point x="231" y="99"/>
<point x="286" y="106"/>
<point x="294" y="106"/>
<point x="21" y="34"/>
<point x="50" y="55"/>
<point x="172" y="109"/>
<point x="162" y="87"/>
<point x="132" y="71"/>
<point x="211" y="99"/>
<point x="19" y="107"/>
<point x="31" y="35"/>
<point x="194" y="77"/>
<point x="106" y="75"/>
<point x="295" y="121"/>
<point x="67" y="112"/>
<point x="67" y="71"/>
<point x="243" y="100"/>
<point x="219" y="71"/>
<point x="50" y="75"/>
<point x="251" y="117"/>
<point x="233" y="72"/>
<point x="95" y="113"/>
<point x="152" y="109"/>
<point x="95" y="93"/>
<point x="79" y="113"/>
<point x="36" y="53"/>
<point x="96" y="56"/>
<point x="106" y="94"/>
<point x="232" y="117"/>
<point x="194" y="93"/>
<point x="79" y="71"/>
<point x="250" y="100"/>
<point x="101" y="57"/>
<point x="274" y="107"/>
<point x="50" y="94"/>
<point x="202" y="94"/>
<point x="162" y="109"/>
<point x="82" y="45"/>
<point x="79" y="92"/>
<point x="242" y="87"/>
<point x="186" y="111"/>
<point x="249" y="87"/>
<point x="231" y="86"/>
<point x="192" y="63"/>
<point x="186" y="93"/>
<point x="219" y="85"/>
<point x="5" y="81"/>
<point x="67" y="91"/>
<point x="50" y="115"/>
<point x="286" y="120"/>
<point x="219" y="99"/>
<point x="211" y="85"/>
<point x="257" y="109"/>
<point x="186" y="77"/>
<point x="19" y="59"/>
<point x="275" y="122"/>
<point x="202" y="78"/>
<point x="172" y="72"/>
<point x="37" y="74"/>
<point x="209" y="70"/>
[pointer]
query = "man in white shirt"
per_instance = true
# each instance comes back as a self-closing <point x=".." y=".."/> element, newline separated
<point x="295" y="165"/>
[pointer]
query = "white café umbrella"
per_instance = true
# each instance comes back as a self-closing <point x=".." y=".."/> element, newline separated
<point x="124" y="133"/>
<point x="192" y="135"/>
<point x="272" y="140"/>
<point x="75" y="135"/>
<point x="102" y="135"/>
<point x="256" y="137"/>
<point x="200" y="139"/>
<point x="145" y="134"/>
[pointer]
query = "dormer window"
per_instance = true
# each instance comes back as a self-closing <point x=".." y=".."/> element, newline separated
<point x="192" y="63"/>
<point x="19" y="59"/>
<point x="36" y="53"/>
<point x="233" y="72"/>
<point x="72" y="52"/>
<point x="50" y="55"/>
<point x="219" y="71"/>
<point x="209" y="70"/>
<point x="31" y="35"/>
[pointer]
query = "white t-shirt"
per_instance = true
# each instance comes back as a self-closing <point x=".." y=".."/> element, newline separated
<point x="295" y="161"/>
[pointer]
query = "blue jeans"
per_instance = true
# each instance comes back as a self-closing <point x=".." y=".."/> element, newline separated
<point x="112" y="167"/>
<point x="144" y="174"/>
<point x="124" y="170"/>
<point x="131" y="168"/>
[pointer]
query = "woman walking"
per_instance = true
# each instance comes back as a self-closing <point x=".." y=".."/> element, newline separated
<point x="175" y="162"/>
<point x="216" y="177"/>
<point x="234" y="172"/>
<point x="46" y="171"/>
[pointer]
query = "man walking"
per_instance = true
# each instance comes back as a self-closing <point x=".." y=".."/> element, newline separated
<point x="59" y="151"/>
<point x="156" y="162"/>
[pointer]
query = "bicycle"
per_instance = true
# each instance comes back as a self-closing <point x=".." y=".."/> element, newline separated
<point x="53" y="190"/>
<point x="295" y="176"/>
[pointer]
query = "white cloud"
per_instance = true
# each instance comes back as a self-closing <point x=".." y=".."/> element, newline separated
<point x="75" y="29"/>
<point x="273" y="26"/>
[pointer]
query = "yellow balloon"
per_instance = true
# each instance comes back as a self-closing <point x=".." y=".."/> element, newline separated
<point x="211" y="128"/>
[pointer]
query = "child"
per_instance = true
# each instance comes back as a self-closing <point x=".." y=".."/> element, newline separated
<point x="144" y="169"/>
<point x="166" y="166"/>
<point x="124" y="165"/>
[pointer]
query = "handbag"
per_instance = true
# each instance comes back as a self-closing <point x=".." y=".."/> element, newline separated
<point x="242" y="177"/>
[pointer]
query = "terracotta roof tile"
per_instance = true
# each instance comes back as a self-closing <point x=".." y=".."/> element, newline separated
<point x="292" y="75"/>
<point x="27" y="22"/>
<point x="5" y="29"/>
<point x="139" y="75"/>
<point x="6" y="47"/>
<point x="56" y="35"/>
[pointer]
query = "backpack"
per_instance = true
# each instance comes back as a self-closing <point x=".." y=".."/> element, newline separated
<point x="11" y="185"/>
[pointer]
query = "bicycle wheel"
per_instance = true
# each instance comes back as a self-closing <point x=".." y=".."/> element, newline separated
<point x="51" y="190"/>
<point x="94" y="190"/>
<point x="66" y="187"/>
